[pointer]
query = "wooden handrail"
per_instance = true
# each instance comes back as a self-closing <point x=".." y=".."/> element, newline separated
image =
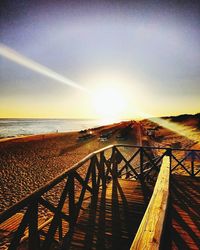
<point x="153" y="147"/>
<point x="150" y="231"/>
<point x="25" y="201"/>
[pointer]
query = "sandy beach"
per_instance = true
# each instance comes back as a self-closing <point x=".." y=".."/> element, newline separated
<point x="27" y="163"/>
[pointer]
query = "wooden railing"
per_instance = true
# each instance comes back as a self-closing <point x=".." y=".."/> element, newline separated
<point x="149" y="235"/>
<point x="82" y="181"/>
<point x="150" y="231"/>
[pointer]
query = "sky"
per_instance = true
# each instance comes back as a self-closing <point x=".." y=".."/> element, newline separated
<point x="137" y="57"/>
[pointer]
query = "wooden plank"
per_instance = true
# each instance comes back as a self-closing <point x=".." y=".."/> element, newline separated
<point x="112" y="220"/>
<point x="20" y="231"/>
<point x="11" y="224"/>
<point x="150" y="231"/>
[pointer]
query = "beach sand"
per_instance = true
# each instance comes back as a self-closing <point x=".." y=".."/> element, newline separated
<point x="27" y="163"/>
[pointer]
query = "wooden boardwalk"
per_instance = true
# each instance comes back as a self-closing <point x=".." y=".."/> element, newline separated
<point x="99" y="209"/>
<point x="183" y="224"/>
<point x="112" y="220"/>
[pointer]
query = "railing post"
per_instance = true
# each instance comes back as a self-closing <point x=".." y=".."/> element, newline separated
<point x="127" y="174"/>
<point x="33" y="241"/>
<point x="141" y="162"/>
<point x="102" y="171"/>
<point x="93" y="170"/>
<point x="72" y="208"/>
<point x="192" y="163"/>
<point x="114" y="164"/>
<point x="169" y="153"/>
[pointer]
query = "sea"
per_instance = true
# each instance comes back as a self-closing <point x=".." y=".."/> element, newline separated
<point x="22" y="127"/>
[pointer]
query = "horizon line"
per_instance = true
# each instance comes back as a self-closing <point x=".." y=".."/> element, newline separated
<point x="100" y="118"/>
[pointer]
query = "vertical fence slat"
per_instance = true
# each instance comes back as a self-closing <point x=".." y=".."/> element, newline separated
<point x="114" y="164"/>
<point x="141" y="162"/>
<point x="102" y="169"/>
<point x="34" y="240"/>
<point x="94" y="176"/>
<point x="72" y="207"/>
<point x="192" y="163"/>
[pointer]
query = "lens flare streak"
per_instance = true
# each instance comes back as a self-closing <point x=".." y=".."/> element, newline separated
<point x="32" y="65"/>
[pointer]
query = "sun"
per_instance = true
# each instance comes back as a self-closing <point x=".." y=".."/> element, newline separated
<point x="109" y="102"/>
